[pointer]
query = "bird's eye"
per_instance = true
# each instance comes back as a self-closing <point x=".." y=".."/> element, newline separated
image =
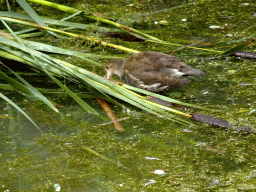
<point x="106" y="67"/>
<point x="182" y="68"/>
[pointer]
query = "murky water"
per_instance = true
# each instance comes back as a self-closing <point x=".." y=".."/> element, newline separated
<point x="75" y="153"/>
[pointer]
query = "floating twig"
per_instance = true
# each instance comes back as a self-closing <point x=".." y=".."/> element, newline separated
<point x="114" y="121"/>
<point x="110" y="114"/>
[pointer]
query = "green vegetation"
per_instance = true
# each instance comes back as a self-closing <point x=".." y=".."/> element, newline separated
<point x="79" y="154"/>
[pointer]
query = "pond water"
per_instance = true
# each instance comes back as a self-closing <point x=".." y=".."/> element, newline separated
<point x="76" y="153"/>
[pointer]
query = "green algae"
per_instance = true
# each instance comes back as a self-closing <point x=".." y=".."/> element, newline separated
<point x="206" y="159"/>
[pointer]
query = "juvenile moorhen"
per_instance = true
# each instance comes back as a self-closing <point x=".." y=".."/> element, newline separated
<point x="152" y="71"/>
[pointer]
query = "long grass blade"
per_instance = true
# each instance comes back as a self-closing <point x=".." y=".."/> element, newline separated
<point x="35" y="92"/>
<point x="19" y="109"/>
<point x="31" y="12"/>
<point x="15" y="84"/>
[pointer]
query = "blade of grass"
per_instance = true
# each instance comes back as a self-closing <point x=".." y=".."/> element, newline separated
<point x="31" y="12"/>
<point x="15" y="84"/>
<point x="80" y="101"/>
<point x="61" y="23"/>
<point x="238" y="47"/>
<point x="137" y="102"/>
<point x="35" y="92"/>
<point x="179" y="45"/>
<point x="74" y="96"/>
<point x="93" y="39"/>
<point x="22" y="57"/>
<point x="19" y="109"/>
<point x="91" y="16"/>
<point x="162" y="97"/>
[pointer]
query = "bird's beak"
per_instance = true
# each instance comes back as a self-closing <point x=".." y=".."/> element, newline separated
<point x="193" y="72"/>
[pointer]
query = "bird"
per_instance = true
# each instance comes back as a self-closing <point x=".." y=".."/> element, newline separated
<point x="152" y="71"/>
